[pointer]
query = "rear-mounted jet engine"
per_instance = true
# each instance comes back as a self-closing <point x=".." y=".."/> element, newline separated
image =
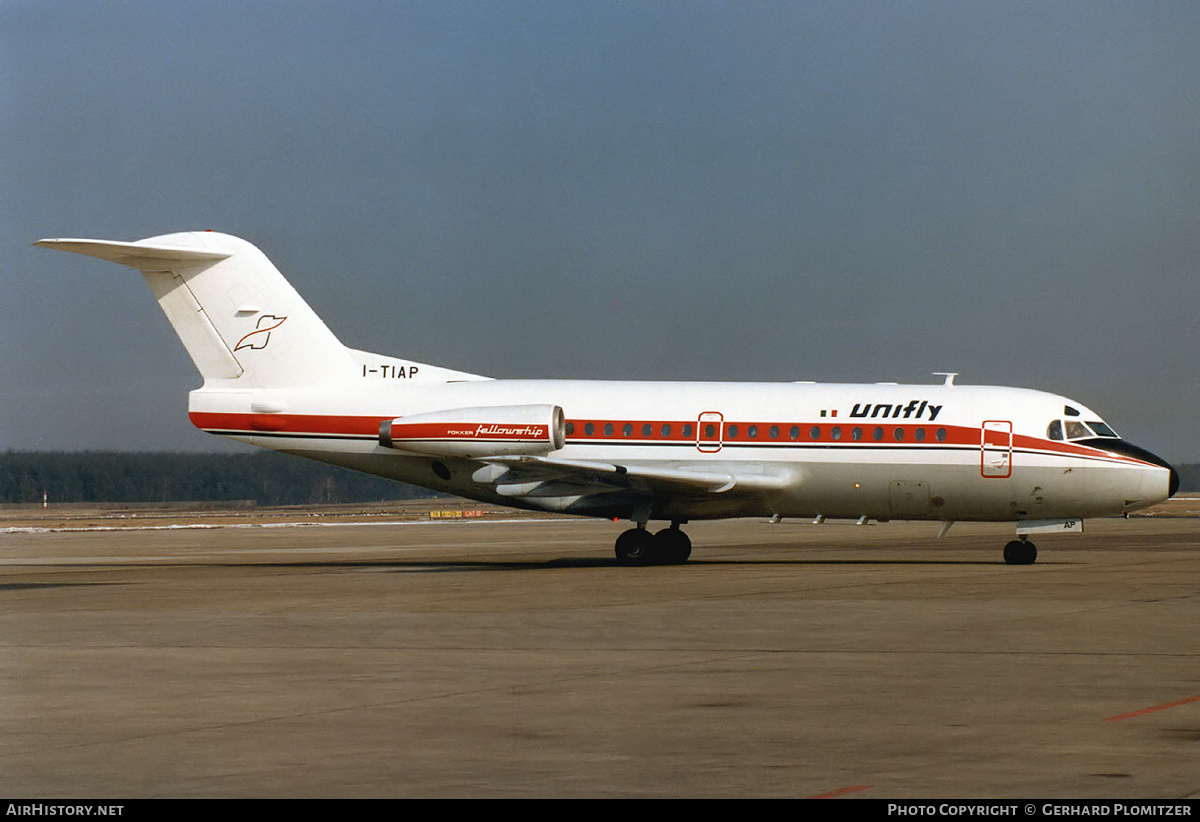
<point x="509" y="430"/>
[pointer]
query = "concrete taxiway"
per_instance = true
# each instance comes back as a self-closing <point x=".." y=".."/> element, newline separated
<point x="515" y="659"/>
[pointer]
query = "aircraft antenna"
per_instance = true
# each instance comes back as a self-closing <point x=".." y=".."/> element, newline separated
<point x="949" y="375"/>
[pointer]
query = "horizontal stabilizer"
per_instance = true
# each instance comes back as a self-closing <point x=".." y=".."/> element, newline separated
<point x="142" y="256"/>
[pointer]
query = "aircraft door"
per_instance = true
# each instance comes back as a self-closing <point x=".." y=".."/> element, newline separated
<point x="708" y="431"/>
<point x="995" y="458"/>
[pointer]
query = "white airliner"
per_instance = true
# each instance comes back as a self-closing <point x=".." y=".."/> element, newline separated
<point x="275" y="376"/>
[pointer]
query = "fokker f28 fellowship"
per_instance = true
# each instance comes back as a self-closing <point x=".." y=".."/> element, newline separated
<point x="275" y="376"/>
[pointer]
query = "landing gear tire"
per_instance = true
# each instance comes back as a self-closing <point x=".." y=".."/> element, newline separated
<point x="673" y="546"/>
<point x="1020" y="552"/>
<point x="636" y="547"/>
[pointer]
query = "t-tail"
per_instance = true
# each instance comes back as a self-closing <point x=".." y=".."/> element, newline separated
<point x="237" y="316"/>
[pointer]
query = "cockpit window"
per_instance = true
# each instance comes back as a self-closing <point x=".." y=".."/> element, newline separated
<point x="1101" y="429"/>
<point x="1077" y="430"/>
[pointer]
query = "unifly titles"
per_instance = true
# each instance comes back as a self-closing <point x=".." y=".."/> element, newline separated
<point x="915" y="410"/>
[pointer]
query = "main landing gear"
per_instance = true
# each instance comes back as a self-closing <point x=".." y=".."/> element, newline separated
<point x="637" y="546"/>
<point x="1020" y="552"/>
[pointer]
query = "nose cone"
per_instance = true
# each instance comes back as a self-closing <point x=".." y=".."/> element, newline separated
<point x="1155" y="485"/>
<point x="1172" y="478"/>
<point x="1161" y="487"/>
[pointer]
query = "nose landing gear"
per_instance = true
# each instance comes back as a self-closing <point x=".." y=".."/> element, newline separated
<point x="1020" y="552"/>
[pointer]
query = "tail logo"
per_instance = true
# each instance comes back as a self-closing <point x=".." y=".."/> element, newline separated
<point x="257" y="340"/>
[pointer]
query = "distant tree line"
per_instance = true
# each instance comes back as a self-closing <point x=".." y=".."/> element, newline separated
<point x="267" y="477"/>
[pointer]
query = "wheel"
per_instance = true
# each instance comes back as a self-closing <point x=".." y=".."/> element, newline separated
<point x="1020" y="552"/>
<point x="636" y="547"/>
<point x="673" y="545"/>
<point x="1030" y="554"/>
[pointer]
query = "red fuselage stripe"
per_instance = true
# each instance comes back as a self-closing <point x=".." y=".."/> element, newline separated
<point x="360" y="427"/>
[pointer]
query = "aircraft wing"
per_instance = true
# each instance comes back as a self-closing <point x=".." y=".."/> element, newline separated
<point x="559" y="484"/>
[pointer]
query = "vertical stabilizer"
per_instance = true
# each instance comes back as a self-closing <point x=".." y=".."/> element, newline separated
<point x="232" y="309"/>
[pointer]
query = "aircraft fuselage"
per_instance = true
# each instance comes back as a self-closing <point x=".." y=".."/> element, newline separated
<point x="920" y="452"/>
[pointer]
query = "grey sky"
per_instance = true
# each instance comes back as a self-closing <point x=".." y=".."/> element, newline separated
<point x="749" y="191"/>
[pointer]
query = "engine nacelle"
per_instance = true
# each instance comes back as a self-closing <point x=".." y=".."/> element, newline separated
<point x="509" y="430"/>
